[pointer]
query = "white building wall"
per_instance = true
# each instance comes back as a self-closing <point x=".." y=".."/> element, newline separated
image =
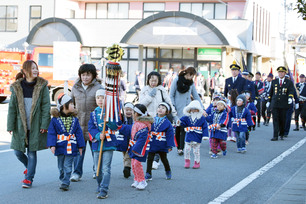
<point x="17" y="38"/>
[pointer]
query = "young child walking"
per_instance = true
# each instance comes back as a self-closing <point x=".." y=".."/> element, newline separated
<point x="161" y="140"/>
<point x="123" y="137"/>
<point x="210" y="110"/>
<point x="253" y="110"/>
<point x="95" y="130"/>
<point x="241" y="119"/>
<point x="65" y="137"/>
<point x="218" y="131"/>
<point x="138" y="145"/>
<point x="195" y="126"/>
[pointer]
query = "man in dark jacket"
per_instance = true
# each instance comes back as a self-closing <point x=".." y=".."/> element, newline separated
<point x="281" y="94"/>
<point x="234" y="82"/>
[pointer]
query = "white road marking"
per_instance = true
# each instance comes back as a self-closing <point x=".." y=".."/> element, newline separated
<point x="7" y="150"/>
<point x="242" y="184"/>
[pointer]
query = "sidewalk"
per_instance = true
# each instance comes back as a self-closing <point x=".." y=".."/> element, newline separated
<point x="294" y="191"/>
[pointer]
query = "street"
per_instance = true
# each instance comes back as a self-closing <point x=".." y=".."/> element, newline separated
<point x="254" y="177"/>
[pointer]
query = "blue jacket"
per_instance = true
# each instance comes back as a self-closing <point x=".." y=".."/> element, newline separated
<point x="162" y="136"/>
<point x="123" y="137"/>
<point x="139" y="146"/>
<point x="95" y="127"/>
<point x="251" y="107"/>
<point x="58" y="137"/>
<point x="302" y="91"/>
<point x="218" y="118"/>
<point x="241" y="123"/>
<point x="260" y="87"/>
<point x="250" y="87"/>
<point x="195" y="130"/>
<point x="239" y="84"/>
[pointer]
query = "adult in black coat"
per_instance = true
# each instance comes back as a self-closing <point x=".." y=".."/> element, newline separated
<point x="281" y="97"/>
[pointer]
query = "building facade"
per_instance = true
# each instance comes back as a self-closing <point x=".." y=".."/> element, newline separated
<point x="156" y="35"/>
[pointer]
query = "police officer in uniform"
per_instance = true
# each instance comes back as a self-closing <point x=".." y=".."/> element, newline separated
<point x="259" y="97"/>
<point x="290" y="111"/>
<point x="266" y="110"/>
<point x="234" y="82"/>
<point x="281" y="94"/>
<point x="301" y="88"/>
<point x="249" y="86"/>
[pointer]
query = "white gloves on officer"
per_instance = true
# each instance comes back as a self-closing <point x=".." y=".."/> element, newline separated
<point x="289" y="100"/>
<point x="267" y="104"/>
<point x="255" y="102"/>
<point x="297" y="106"/>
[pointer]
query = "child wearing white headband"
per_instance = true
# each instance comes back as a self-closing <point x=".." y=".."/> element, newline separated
<point x="161" y="140"/>
<point x="139" y="144"/>
<point x="65" y="137"/>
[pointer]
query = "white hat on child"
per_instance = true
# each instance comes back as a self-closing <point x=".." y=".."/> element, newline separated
<point x="100" y="92"/>
<point x="62" y="99"/>
<point x="193" y="105"/>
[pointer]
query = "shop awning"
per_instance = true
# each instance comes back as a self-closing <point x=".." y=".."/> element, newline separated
<point x="49" y="30"/>
<point x="173" y="29"/>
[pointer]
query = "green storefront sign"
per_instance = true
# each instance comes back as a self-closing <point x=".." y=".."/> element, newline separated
<point x="209" y="54"/>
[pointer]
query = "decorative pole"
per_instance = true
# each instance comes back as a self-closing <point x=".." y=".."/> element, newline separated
<point x="112" y="83"/>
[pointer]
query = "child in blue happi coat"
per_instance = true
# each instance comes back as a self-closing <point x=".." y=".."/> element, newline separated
<point x="218" y="132"/>
<point x="253" y="110"/>
<point x="196" y="128"/>
<point x="240" y="119"/>
<point x="123" y="136"/>
<point x="210" y="110"/>
<point x="139" y="144"/>
<point x="65" y="137"/>
<point x="161" y="140"/>
<point x="95" y="130"/>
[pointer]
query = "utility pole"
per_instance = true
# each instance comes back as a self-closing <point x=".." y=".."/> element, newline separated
<point x="285" y="32"/>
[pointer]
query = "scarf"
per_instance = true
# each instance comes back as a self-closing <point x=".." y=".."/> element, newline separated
<point x="183" y="84"/>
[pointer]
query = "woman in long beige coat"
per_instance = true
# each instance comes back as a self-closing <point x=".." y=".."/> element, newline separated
<point x="84" y="94"/>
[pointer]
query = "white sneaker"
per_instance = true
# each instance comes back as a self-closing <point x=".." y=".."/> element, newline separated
<point x="75" y="178"/>
<point x="135" y="184"/>
<point x="155" y="165"/>
<point x="205" y="138"/>
<point x="142" y="185"/>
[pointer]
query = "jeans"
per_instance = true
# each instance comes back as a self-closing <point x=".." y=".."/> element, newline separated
<point x="64" y="163"/>
<point x="240" y="139"/>
<point x="105" y="169"/>
<point x="288" y="119"/>
<point x="79" y="160"/>
<point x="29" y="161"/>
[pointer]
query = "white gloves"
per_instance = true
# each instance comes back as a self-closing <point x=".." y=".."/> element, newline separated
<point x="255" y="102"/>
<point x="267" y="104"/>
<point x="297" y="106"/>
<point x="289" y="100"/>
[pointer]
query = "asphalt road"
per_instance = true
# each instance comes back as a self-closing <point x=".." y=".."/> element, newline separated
<point x="203" y="185"/>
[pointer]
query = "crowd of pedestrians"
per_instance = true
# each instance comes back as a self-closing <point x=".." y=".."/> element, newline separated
<point x="169" y="114"/>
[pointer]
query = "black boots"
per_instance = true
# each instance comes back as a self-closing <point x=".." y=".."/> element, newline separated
<point x="127" y="172"/>
<point x="296" y="126"/>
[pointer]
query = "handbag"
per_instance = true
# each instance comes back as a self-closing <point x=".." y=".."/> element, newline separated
<point x="169" y="116"/>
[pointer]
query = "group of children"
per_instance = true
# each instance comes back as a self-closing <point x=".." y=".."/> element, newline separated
<point x="140" y="136"/>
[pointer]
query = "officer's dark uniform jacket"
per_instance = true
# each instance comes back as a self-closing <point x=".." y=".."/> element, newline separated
<point x="239" y="84"/>
<point x="279" y="95"/>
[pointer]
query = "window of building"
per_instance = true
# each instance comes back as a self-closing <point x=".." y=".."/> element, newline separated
<point x="206" y="10"/>
<point x="107" y="10"/>
<point x="35" y="15"/>
<point x="152" y="8"/>
<point x="45" y="59"/>
<point x="8" y="18"/>
<point x="220" y="11"/>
